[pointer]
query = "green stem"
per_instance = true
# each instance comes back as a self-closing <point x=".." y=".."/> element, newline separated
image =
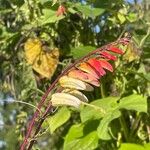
<point x="36" y="108"/>
<point x="102" y="89"/>
<point x="135" y="125"/>
<point x="145" y="37"/>
<point x="95" y="107"/>
<point x="124" y="127"/>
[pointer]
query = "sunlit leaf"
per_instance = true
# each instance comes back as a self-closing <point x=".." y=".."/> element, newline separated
<point x="54" y="2"/>
<point x="49" y="16"/>
<point x="103" y="128"/>
<point x="132" y="146"/>
<point x="74" y="132"/>
<point x="88" y="11"/>
<point x="121" y="18"/>
<point x="76" y="140"/>
<point x="112" y="107"/>
<point x="134" y="102"/>
<point x="90" y="141"/>
<point x="131" y="53"/>
<point x="58" y="119"/>
<point x="43" y="62"/>
<point x="108" y="104"/>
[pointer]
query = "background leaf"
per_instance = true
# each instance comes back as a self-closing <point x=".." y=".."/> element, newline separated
<point x="81" y="51"/>
<point x="88" y="11"/>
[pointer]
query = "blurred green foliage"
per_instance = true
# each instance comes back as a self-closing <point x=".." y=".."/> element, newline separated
<point x="84" y="26"/>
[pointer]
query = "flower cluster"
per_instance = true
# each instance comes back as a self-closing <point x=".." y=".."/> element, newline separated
<point x="83" y="76"/>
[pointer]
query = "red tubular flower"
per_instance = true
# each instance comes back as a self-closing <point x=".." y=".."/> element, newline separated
<point x="88" y="69"/>
<point x="78" y="74"/>
<point x="108" y="55"/>
<point x="97" y="66"/>
<point x="115" y="49"/>
<point x="61" y="10"/>
<point x="106" y="65"/>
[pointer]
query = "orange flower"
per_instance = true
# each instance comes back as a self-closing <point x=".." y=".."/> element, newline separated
<point x="88" y="69"/>
<point x="61" y="10"/>
<point x="78" y="74"/>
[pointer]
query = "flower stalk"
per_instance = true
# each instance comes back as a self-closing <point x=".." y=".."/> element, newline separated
<point x="98" y="65"/>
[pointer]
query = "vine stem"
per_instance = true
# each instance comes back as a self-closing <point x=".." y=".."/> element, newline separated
<point x="124" y="127"/>
<point x="44" y="97"/>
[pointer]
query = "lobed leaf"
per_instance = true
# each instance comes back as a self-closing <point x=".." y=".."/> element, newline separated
<point x="42" y="62"/>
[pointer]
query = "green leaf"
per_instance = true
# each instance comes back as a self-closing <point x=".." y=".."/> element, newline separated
<point x="134" y="102"/>
<point x="121" y="18"/>
<point x="90" y="141"/>
<point x="81" y="51"/>
<point x="108" y="104"/>
<point x="147" y="77"/>
<point x="112" y="107"/>
<point x="58" y="119"/>
<point x="103" y="127"/>
<point x="44" y="1"/>
<point x="75" y="131"/>
<point x="88" y="11"/>
<point x="132" y="17"/>
<point x="147" y="146"/>
<point x="130" y="146"/>
<point x="49" y="16"/>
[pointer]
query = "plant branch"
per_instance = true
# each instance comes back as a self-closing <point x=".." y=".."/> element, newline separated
<point x="44" y="97"/>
